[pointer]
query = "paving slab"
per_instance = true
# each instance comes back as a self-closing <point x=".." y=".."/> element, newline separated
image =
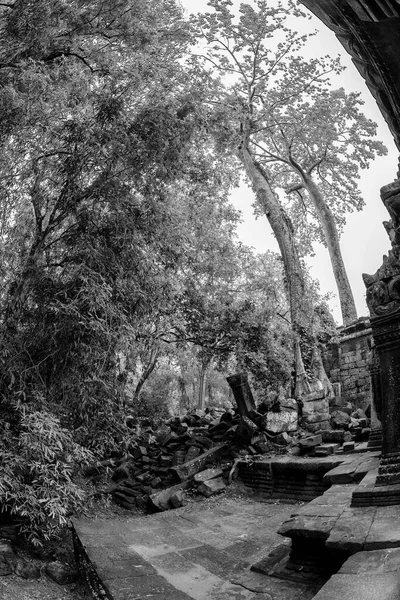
<point x="377" y="586"/>
<point x="373" y="561"/>
<point x="384" y="533"/>
<point x="199" y="552"/>
<point x="351" y="530"/>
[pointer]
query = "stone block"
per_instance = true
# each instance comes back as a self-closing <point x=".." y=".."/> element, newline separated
<point x="206" y="475"/>
<point x="377" y="586"/>
<point x="161" y="500"/>
<point x="336" y="436"/>
<point x="373" y="561"/>
<point x="330" y="448"/>
<point x="192" y="453"/>
<point x="340" y="420"/>
<point x="319" y="406"/>
<point x="212" y="486"/>
<point x="316" y="417"/>
<point x="277" y="422"/>
<point x="178" y="499"/>
<point x="308" y="527"/>
<point x="311" y="441"/>
<point x="317" y="427"/>
<point x="348" y="446"/>
<point x="242" y="393"/>
<point x="351" y="530"/>
<point x="186" y="470"/>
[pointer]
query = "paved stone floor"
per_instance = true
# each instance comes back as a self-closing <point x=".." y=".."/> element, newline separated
<point x="202" y="551"/>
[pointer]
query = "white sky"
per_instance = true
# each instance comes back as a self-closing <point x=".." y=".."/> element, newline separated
<point x="364" y="240"/>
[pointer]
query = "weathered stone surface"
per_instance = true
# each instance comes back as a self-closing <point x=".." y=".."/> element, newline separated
<point x="384" y="533"/>
<point x="178" y="499"/>
<point x="318" y="427"/>
<point x="310" y="441"/>
<point x="348" y="446"/>
<point x="61" y="573"/>
<point x="374" y="561"/>
<point x="326" y="449"/>
<point x="336" y="435"/>
<point x="161" y="500"/>
<point x="288" y="404"/>
<point x="319" y="406"/>
<point x="212" y="486"/>
<point x="192" y="453"/>
<point x="6" y="549"/>
<point x="26" y="570"/>
<point x="308" y="527"/>
<point x="375" y="586"/>
<point x="192" y="467"/>
<point x="207" y="474"/>
<point x="277" y="422"/>
<point x="5" y="568"/>
<point x="242" y="393"/>
<point x="351" y="530"/>
<point x="340" y="420"/>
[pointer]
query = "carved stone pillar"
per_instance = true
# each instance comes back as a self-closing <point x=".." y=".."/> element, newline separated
<point x="383" y="299"/>
<point x="375" y="437"/>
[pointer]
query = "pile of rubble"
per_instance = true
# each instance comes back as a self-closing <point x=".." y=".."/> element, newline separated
<point x="200" y="452"/>
<point x="161" y="465"/>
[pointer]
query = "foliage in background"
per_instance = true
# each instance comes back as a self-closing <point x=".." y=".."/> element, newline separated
<point x="37" y="466"/>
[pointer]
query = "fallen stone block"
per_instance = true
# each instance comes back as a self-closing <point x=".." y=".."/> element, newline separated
<point x="330" y="448"/>
<point x="161" y="500"/>
<point x="348" y="446"/>
<point x="317" y="427"/>
<point x="206" y="475"/>
<point x="61" y="573"/>
<point x="278" y="422"/>
<point x="242" y="393"/>
<point x="310" y="442"/>
<point x="192" y="453"/>
<point x="340" y="420"/>
<point x="186" y="470"/>
<point x="283" y="439"/>
<point x="212" y="486"/>
<point x="178" y="499"/>
<point x="336" y="435"/>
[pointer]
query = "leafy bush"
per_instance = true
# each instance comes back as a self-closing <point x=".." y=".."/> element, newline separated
<point x="37" y="465"/>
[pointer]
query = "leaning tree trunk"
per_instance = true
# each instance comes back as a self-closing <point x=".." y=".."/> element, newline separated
<point x="327" y="221"/>
<point x="202" y="384"/>
<point x="301" y="311"/>
<point x="147" y="371"/>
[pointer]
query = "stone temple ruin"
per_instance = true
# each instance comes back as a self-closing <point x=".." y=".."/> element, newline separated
<point x="350" y="526"/>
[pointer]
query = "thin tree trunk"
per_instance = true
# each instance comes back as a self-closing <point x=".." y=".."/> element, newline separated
<point x="202" y="385"/>
<point x="325" y="216"/>
<point x="151" y="365"/>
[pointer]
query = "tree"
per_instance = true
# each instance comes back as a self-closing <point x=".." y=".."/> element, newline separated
<point x="254" y="55"/>
<point x="318" y="144"/>
<point x="96" y="125"/>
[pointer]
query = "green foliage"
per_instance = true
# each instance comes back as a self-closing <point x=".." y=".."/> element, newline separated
<point x="37" y="465"/>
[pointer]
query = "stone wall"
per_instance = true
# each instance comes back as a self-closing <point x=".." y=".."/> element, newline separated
<point x="347" y="364"/>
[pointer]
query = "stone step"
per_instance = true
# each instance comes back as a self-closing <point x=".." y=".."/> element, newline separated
<point x="370" y="575"/>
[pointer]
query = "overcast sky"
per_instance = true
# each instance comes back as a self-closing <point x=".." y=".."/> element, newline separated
<point x="364" y="240"/>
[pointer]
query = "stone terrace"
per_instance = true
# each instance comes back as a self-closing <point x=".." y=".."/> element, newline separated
<point x="206" y="550"/>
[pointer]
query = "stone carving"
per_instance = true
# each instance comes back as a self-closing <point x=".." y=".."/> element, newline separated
<point x="383" y="288"/>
